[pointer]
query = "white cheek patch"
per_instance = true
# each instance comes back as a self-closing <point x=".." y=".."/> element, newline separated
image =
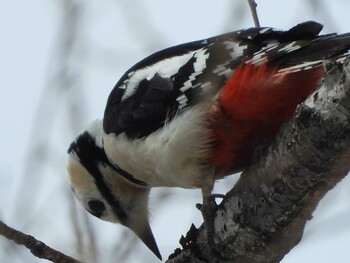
<point x="78" y="176"/>
<point x="85" y="189"/>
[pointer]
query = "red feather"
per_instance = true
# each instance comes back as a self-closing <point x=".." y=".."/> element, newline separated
<point x="252" y="106"/>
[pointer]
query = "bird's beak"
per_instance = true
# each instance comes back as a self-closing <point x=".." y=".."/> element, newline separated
<point x="144" y="232"/>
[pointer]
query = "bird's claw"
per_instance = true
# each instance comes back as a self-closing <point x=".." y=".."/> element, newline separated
<point x="212" y="202"/>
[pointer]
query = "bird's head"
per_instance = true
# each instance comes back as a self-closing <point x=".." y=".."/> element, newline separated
<point x="103" y="189"/>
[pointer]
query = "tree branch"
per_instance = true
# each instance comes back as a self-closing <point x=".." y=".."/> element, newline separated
<point x="253" y="5"/>
<point x="38" y="248"/>
<point x="262" y="218"/>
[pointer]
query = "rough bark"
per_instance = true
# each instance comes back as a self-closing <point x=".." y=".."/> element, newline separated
<point x="263" y="217"/>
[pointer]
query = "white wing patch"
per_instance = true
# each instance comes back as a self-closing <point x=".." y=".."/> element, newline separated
<point x="260" y="56"/>
<point x="290" y="47"/>
<point x="262" y="31"/>
<point x="165" y="68"/>
<point x="237" y="50"/>
<point x="182" y="100"/>
<point x="303" y="66"/>
<point x="223" y="69"/>
<point x="199" y="65"/>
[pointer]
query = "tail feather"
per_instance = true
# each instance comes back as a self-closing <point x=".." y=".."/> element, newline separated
<point x="324" y="47"/>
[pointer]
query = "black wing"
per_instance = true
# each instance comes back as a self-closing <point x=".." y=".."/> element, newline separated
<point x="170" y="80"/>
<point x="140" y="107"/>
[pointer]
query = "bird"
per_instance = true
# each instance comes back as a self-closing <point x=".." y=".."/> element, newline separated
<point x="192" y="114"/>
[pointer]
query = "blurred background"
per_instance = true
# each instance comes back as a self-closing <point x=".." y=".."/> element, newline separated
<point x="59" y="60"/>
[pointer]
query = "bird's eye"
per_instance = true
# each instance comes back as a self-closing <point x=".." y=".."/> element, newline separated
<point x="96" y="206"/>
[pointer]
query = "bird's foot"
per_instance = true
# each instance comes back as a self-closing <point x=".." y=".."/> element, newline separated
<point x="212" y="201"/>
<point x="208" y="209"/>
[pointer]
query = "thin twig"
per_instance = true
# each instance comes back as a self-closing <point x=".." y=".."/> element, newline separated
<point x="253" y="5"/>
<point x="38" y="248"/>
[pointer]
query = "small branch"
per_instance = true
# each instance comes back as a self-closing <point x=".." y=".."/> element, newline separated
<point x="38" y="248"/>
<point x="253" y="5"/>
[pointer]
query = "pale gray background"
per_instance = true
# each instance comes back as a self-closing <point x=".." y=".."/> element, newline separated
<point x="57" y="67"/>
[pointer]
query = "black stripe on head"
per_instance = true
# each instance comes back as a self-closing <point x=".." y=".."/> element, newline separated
<point x="90" y="156"/>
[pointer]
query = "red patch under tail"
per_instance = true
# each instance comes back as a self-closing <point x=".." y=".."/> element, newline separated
<point x="252" y="106"/>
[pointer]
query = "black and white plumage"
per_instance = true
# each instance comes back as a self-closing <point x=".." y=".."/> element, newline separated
<point x="172" y="79"/>
<point x="158" y="124"/>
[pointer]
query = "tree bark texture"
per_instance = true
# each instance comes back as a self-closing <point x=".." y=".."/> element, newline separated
<point x="263" y="217"/>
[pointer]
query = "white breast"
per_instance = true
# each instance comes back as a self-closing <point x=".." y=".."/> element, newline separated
<point x="171" y="156"/>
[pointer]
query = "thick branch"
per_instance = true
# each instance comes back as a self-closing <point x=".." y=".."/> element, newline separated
<point x="38" y="248"/>
<point x="263" y="217"/>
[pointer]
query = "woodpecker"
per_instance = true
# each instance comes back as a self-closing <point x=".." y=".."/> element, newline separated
<point x="191" y="114"/>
